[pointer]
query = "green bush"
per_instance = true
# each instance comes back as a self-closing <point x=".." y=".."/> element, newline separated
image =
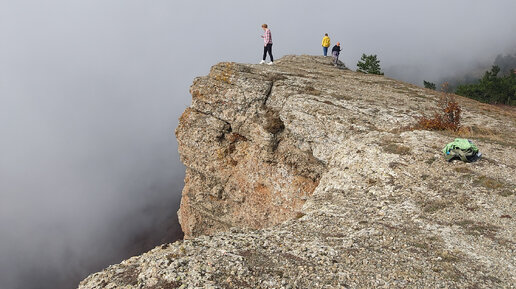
<point x="429" y="85"/>
<point x="369" y="64"/>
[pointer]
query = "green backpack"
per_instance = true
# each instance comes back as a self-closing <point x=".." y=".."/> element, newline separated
<point x="461" y="148"/>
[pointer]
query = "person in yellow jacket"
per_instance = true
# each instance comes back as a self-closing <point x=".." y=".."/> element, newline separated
<point x="325" y="44"/>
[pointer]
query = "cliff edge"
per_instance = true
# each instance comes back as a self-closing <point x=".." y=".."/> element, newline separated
<point x="303" y="175"/>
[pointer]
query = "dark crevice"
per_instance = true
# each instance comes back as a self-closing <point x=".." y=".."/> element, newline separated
<point x="210" y="114"/>
<point x="269" y="92"/>
<point x="273" y="122"/>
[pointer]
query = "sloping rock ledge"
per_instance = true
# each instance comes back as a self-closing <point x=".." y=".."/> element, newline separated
<point x="301" y="175"/>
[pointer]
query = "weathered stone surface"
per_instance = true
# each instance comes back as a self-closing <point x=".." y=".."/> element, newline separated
<point x="243" y="168"/>
<point x="358" y="200"/>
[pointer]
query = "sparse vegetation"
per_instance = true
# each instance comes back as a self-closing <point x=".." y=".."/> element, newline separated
<point x="447" y="117"/>
<point x="477" y="228"/>
<point x="434" y="206"/>
<point x="430" y="160"/>
<point x="488" y="183"/>
<point x="506" y="193"/>
<point x="311" y="90"/>
<point x="462" y="170"/>
<point x="450" y="257"/>
<point x="395" y="148"/>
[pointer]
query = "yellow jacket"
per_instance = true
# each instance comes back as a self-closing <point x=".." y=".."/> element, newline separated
<point x="326" y="41"/>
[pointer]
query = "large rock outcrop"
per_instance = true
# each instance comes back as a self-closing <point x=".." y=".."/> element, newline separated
<point x="304" y="175"/>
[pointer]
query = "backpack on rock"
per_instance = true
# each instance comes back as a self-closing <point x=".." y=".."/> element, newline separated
<point x="461" y="148"/>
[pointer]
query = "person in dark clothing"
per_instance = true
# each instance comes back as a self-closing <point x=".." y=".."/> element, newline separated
<point x="335" y="51"/>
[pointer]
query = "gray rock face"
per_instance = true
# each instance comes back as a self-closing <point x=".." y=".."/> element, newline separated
<point x="303" y="175"/>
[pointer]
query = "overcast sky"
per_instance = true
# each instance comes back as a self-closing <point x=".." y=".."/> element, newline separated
<point x="90" y="94"/>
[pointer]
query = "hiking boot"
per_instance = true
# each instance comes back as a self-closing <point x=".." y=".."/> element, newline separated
<point x="270" y="63"/>
<point x="262" y="62"/>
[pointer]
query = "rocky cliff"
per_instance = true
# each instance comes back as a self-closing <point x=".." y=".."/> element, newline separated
<point x="305" y="175"/>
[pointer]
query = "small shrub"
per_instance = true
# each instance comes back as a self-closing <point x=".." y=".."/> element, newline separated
<point x="448" y="115"/>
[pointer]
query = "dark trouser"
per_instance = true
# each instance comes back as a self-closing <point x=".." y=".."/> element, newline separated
<point x="268" y="48"/>
<point x="325" y="51"/>
<point x="335" y="57"/>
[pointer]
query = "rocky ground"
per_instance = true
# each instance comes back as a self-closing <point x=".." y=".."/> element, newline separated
<point x="306" y="175"/>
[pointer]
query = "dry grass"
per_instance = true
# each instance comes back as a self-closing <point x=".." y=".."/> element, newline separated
<point x="398" y="149"/>
<point x="501" y="188"/>
<point x="463" y="170"/>
<point x="488" y="183"/>
<point x="310" y="90"/>
<point x="420" y="245"/>
<point x="430" y="160"/>
<point x="506" y="193"/>
<point x="341" y="96"/>
<point x="434" y="206"/>
<point x="448" y="256"/>
<point x="478" y="229"/>
<point x="485" y="134"/>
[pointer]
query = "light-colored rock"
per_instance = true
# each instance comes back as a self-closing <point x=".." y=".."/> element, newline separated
<point x="303" y="175"/>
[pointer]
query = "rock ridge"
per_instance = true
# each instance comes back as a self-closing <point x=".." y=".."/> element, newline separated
<point x="303" y="175"/>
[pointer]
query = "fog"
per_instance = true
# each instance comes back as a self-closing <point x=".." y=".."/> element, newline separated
<point x="90" y="94"/>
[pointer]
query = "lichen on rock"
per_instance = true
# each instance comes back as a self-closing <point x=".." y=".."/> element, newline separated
<point x="303" y="175"/>
<point x="243" y="168"/>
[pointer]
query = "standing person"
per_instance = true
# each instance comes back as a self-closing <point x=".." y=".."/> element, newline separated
<point x="335" y="51"/>
<point x="267" y="44"/>
<point x="325" y="44"/>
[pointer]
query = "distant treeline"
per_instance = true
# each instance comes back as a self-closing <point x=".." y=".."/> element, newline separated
<point x="497" y="86"/>
<point x="492" y="88"/>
